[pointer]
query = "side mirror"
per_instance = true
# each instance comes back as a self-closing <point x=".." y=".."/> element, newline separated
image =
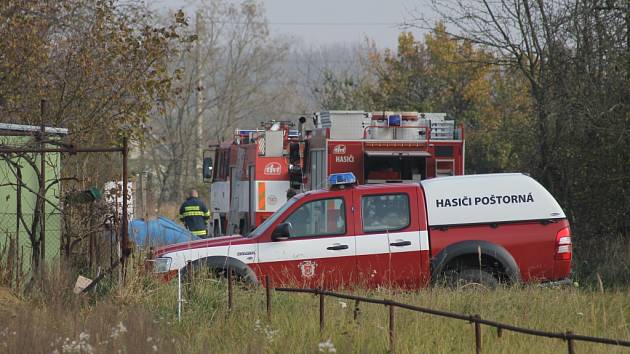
<point x="281" y="232"/>
<point x="207" y="168"/>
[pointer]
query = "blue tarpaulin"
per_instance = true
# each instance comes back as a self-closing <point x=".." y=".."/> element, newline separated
<point x="158" y="232"/>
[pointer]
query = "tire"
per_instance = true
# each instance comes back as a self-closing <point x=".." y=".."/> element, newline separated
<point x="241" y="272"/>
<point x="245" y="277"/>
<point x="470" y="278"/>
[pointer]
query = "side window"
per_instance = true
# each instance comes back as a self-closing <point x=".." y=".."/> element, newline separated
<point x="385" y="212"/>
<point x="319" y="218"/>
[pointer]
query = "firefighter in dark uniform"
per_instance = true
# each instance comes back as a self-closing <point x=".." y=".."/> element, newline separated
<point x="195" y="215"/>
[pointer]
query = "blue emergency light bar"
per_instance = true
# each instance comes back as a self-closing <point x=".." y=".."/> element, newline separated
<point x="341" y="179"/>
<point x="394" y="120"/>
<point x="245" y="132"/>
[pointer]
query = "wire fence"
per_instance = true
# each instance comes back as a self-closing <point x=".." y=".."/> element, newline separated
<point x="569" y="337"/>
<point x="16" y="249"/>
<point x="39" y="223"/>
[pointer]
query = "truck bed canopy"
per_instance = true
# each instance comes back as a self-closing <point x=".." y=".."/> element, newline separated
<point x="490" y="198"/>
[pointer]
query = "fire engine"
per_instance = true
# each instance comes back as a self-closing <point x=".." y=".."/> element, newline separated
<point x="251" y="176"/>
<point x="254" y="171"/>
<point x="382" y="147"/>
<point x="478" y="228"/>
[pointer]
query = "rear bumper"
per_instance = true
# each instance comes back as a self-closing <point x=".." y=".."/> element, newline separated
<point x="557" y="283"/>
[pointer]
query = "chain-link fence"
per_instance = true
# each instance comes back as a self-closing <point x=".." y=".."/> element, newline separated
<point x="50" y="214"/>
<point x="15" y="239"/>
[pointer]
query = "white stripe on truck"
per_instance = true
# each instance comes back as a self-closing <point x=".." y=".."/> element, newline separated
<point x="307" y="248"/>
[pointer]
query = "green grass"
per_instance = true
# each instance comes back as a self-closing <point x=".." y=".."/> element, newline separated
<point x="295" y="318"/>
<point x="147" y="310"/>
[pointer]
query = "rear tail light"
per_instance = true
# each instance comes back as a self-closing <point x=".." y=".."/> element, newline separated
<point x="563" y="245"/>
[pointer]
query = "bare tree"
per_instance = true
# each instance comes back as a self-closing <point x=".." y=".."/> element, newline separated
<point x="525" y="35"/>
<point x="574" y="56"/>
<point x="233" y="65"/>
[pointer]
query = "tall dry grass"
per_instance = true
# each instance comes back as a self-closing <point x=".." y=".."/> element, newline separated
<point x="141" y="318"/>
<point x="52" y="319"/>
<point x="295" y="321"/>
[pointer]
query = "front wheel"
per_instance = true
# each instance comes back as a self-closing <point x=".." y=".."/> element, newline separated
<point x="241" y="272"/>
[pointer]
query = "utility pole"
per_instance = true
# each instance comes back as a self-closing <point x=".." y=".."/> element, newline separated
<point x="42" y="192"/>
<point x="627" y="10"/>
<point x="199" y="102"/>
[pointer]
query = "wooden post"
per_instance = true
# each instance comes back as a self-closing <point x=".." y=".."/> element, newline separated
<point x="268" y="292"/>
<point x="392" y="330"/>
<point x="321" y="312"/>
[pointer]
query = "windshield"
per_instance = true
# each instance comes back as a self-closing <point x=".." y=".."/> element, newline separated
<point x="270" y="220"/>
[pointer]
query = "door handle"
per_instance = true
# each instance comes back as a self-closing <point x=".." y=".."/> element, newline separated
<point x="400" y="243"/>
<point x="337" y="247"/>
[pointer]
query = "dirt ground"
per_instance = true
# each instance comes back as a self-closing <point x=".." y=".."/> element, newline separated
<point x="8" y="303"/>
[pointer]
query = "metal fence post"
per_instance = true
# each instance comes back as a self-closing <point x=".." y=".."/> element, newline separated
<point x="230" y="290"/>
<point x="42" y="192"/>
<point x="126" y="249"/>
<point x="321" y="311"/>
<point x="189" y="280"/>
<point x="179" y="295"/>
<point x="570" y="348"/>
<point x="392" y="330"/>
<point x="475" y="319"/>
<point x="356" y="311"/>
<point x="568" y="336"/>
<point x="268" y="292"/>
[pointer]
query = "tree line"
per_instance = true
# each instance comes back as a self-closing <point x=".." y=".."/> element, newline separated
<point x="541" y="87"/>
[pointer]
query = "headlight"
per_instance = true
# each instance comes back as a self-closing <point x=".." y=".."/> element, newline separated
<point x="162" y="264"/>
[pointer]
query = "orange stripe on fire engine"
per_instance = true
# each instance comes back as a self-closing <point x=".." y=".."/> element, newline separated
<point x="261" y="196"/>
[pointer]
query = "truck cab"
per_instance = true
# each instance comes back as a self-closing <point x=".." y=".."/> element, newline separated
<point x="322" y="242"/>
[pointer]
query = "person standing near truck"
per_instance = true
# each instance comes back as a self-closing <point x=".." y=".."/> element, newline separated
<point x="194" y="214"/>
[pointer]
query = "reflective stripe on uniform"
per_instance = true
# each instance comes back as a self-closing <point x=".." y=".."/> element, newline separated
<point x="199" y="232"/>
<point x="193" y="213"/>
<point x="192" y="208"/>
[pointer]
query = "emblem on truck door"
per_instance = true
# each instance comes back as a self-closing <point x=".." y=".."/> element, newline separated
<point x="307" y="268"/>
<point x="272" y="169"/>
<point x="339" y="150"/>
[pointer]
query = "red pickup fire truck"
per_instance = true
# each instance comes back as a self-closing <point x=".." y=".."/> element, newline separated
<point x="478" y="228"/>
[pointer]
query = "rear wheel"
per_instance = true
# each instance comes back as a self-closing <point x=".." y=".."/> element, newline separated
<point x="470" y="278"/>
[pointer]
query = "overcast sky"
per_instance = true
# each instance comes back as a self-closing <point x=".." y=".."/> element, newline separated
<point x="318" y="22"/>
